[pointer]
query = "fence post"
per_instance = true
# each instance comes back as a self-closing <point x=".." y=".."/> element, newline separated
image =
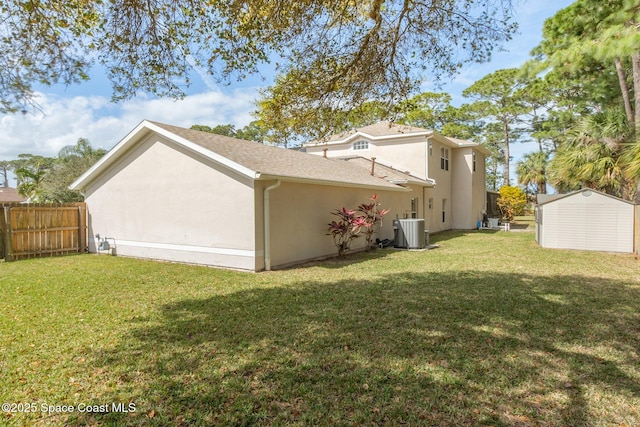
<point x="82" y="232"/>
<point x="8" y="235"/>
<point x="2" y="232"/>
<point x="636" y="230"/>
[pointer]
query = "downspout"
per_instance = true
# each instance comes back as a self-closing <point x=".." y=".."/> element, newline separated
<point x="267" y="225"/>
<point x="424" y="189"/>
<point x="426" y="163"/>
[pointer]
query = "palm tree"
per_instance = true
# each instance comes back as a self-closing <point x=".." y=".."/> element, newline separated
<point x="31" y="183"/>
<point x="532" y="170"/>
<point x="82" y="149"/>
<point x="592" y="156"/>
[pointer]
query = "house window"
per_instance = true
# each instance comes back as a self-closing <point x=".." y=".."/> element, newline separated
<point x="414" y="207"/>
<point x="431" y="148"/>
<point x="473" y="160"/>
<point x="444" y="210"/>
<point x="361" y="145"/>
<point x="430" y="203"/>
<point x="444" y="159"/>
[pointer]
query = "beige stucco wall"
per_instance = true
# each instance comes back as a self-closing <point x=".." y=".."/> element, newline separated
<point x="161" y="201"/>
<point x="468" y="188"/>
<point x="459" y="189"/>
<point x="300" y="214"/>
<point x="404" y="154"/>
<point x="441" y="191"/>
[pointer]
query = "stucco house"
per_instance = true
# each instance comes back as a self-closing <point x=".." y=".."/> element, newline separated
<point x="455" y="167"/>
<point x="176" y="194"/>
<point x="587" y="220"/>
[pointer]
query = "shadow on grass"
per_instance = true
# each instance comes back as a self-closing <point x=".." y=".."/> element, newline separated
<point x="466" y="348"/>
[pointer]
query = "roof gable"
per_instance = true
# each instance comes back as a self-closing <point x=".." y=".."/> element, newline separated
<point x="386" y="130"/>
<point x="251" y="159"/>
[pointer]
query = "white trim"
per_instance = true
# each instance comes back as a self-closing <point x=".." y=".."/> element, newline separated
<point x="392" y="187"/>
<point x="187" y="248"/>
<point x="359" y="134"/>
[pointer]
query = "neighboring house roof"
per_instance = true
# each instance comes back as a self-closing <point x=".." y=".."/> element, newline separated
<point x="254" y="160"/>
<point x="548" y="198"/>
<point x="10" y="195"/>
<point x="386" y="130"/>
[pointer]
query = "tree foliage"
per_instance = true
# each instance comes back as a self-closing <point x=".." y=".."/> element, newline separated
<point x="47" y="179"/>
<point x="591" y="51"/>
<point x="532" y="171"/>
<point x="72" y="161"/>
<point x="254" y="131"/>
<point x="498" y="99"/>
<point x="592" y="156"/>
<point x="330" y="54"/>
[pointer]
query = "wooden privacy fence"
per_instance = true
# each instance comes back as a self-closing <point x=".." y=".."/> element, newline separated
<point x="36" y="230"/>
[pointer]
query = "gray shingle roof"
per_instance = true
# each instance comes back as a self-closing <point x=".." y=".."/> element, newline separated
<point x="383" y="128"/>
<point x="280" y="162"/>
<point x="386" y="172"/>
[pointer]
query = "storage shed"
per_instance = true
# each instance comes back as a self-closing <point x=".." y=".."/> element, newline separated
<point x="585" y="220"/>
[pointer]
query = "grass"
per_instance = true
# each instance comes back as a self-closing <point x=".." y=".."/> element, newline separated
<point x="488" y="329"/>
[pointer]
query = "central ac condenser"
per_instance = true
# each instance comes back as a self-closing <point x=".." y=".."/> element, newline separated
<point x="409" y="233"/>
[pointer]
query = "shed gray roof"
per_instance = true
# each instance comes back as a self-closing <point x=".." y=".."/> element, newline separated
<point x="548" y="198"/>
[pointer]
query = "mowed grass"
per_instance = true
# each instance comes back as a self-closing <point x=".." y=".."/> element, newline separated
<point x="488" y="329"/>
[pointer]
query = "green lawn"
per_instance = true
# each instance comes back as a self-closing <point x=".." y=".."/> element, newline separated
<point x="488" y="329"/>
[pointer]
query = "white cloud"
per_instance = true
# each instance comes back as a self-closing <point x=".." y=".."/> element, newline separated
<point x="63" y="120"/>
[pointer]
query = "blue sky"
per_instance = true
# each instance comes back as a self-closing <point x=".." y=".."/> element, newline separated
<point x="85" y="110"/>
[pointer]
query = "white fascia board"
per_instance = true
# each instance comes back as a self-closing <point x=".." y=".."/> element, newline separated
<point x="478" y="147"/>
<point x="136" y="135"/>
<point x="359" y="134"/>
<point x="395" y="187"/>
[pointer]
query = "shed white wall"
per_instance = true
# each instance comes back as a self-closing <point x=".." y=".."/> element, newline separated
<point x="155" y="203"/>
<point x="596" y="222"/>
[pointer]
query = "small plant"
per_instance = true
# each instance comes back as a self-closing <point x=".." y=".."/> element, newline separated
<point x="352" y="223"/>
<point x="371" y="215"/>
<point x="345" y="229"/>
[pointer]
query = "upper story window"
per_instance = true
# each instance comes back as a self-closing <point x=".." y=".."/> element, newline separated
<point x="444" y="159"/>
<point x="473" y="160"/>
<point x="431" y="148"/>
<point x="361" y="145"/>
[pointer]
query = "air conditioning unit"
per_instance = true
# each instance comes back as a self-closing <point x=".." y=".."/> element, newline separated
<point x="409" y="233"/>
